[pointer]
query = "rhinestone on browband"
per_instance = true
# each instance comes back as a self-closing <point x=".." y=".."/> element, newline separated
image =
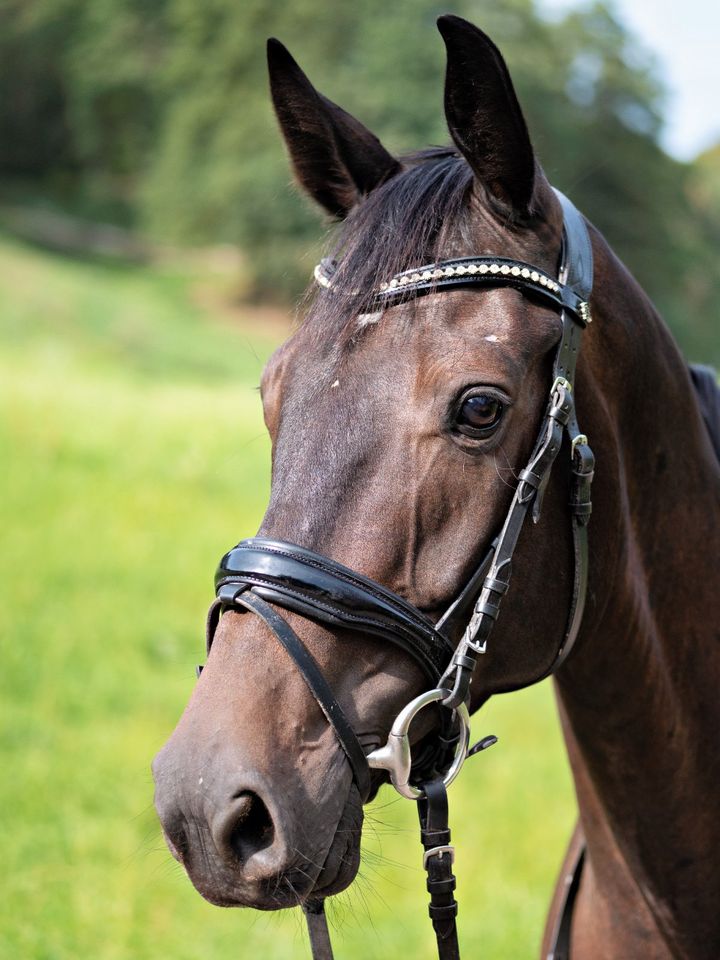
<point x="466" y="271"/>
<point x="321" y="278"/>
<point x="474" y="268"/>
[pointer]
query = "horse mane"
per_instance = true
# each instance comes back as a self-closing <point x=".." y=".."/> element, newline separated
<point x="405" y="222"/>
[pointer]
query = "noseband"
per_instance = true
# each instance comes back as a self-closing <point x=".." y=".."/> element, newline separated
<point x="259" y="572"/>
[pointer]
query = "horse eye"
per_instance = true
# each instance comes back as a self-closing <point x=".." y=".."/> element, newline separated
<point x="479" y="414"/>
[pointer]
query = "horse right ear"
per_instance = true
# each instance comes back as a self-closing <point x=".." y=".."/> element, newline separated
<point x="335" y="158"/>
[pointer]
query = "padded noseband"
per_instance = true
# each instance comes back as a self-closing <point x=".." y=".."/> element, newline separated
<point x="308" y="583"/>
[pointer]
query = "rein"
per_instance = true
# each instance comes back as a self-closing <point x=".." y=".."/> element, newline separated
<point x="260" y="572"/>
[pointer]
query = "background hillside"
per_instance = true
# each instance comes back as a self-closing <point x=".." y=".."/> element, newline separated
<point x="134" y="455"/>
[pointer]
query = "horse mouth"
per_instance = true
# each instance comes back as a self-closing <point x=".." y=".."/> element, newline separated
<point x="308" y="875"/>
<point x="338" y="869"/>
<point x="343" y="858"/>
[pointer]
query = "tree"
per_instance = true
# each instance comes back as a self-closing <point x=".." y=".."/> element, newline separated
<point x="158" y="115"/>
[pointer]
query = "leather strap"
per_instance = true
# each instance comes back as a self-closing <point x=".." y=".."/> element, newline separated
<point x="458" y="613"/>
<point x="316" y="586"/>
<point x="560" y="943"/>
<point x="466" y="271"/>
<point x="438" y="863"/>
<point x="576" y="272"/>
<point x="577" y="253"/>
<point x="318" y="932"/>
<point x="232" y="595"/>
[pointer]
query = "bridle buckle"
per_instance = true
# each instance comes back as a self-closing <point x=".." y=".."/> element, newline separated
<point x="561" y="382"/>
<point x="441" y="851"/>
<point x="578" y="438"/>
<point x="471" y="632"/>
<point x="476" y="646"/>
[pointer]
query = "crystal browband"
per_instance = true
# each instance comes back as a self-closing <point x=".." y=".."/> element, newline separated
<point x="468" y="271"/>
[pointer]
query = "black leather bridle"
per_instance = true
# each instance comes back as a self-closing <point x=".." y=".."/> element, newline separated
<point x="258" y="575"/>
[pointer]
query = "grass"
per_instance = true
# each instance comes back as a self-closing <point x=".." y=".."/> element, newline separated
<point x="133" y="454"/>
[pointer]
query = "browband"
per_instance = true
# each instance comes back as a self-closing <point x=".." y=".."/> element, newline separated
<point x="465" y="272"/>
<point x="569" y="292"/>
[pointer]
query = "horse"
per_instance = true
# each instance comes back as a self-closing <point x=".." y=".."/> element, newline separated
<point x="402" y="413"/>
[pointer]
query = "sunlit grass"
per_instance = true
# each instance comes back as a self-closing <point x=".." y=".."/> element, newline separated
<point x="125" y="474"/>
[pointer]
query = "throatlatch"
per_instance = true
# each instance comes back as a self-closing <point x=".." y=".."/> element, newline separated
<point x="257" y="573"/>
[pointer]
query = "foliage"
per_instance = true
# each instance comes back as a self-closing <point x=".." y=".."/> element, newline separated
<point x="131" y="470"/>
<point x="157" y="114"/>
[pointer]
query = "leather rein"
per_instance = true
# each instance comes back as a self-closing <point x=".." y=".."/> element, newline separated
<point x="259" y="575"/>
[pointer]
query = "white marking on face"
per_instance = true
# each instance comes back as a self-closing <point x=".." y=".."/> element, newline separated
<point x="492" y="338"/>
<point x="367" y="319"/>
<point x="336" y="384"/>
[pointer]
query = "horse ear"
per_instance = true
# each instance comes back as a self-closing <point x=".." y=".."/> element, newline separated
<point x="336" y="159"/>
<point x="484" y="116"/>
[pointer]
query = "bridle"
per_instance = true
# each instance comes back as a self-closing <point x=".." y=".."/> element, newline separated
<point x="260" y="572"/>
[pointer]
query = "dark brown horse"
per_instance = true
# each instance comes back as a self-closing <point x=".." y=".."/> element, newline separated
<point x="397" y="434"/>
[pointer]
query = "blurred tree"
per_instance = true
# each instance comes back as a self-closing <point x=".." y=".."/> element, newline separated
<point x="704" y="182"/>
<point x="35" y="131"/>
<point x="158" y="114"/>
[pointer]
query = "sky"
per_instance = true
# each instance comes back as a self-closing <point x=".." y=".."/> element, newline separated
<point x="684" y="36"/>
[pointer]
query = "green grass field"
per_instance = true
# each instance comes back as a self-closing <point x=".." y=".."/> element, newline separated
<point x="133" y="455"/>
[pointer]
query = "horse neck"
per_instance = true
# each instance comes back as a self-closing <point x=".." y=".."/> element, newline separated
<point x="639" y="697"/>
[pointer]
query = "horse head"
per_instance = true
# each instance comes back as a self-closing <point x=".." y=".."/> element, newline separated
<point x="399" y="429"/>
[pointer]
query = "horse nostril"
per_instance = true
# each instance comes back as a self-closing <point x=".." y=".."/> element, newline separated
<point x="249" y="829"/>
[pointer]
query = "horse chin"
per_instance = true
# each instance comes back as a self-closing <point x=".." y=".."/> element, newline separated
<point x="343" y="858"/>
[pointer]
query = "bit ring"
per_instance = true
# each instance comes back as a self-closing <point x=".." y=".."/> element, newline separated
<point x="396" y="755"/>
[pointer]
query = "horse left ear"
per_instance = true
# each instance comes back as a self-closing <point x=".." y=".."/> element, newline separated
<point x="484" y="116"/>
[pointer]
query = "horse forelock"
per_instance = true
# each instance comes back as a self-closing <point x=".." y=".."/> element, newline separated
<point x="417" y="216"/>
<point x="432" y="209"/>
